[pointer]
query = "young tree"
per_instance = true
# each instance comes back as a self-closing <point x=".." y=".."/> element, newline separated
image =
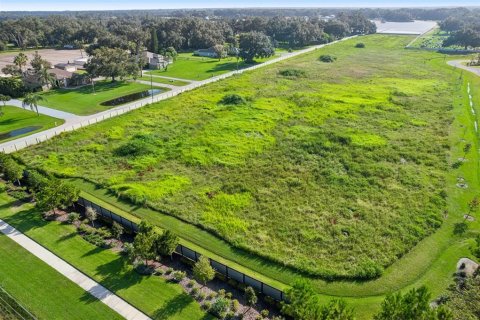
<point x="91" y="215"/>
<point x="336" y="309"/>
<point x="4" y="99"/>
<point x="12" y="70"/>
<point x="11" y="169"/>
<point x="56" y="194"/>
<point x="144" y="242"/>
<point x="46" y="77"/>
<point x="166" y="243"/>
<point x="219" y="51"/>
<point x="250" y="297"/>
<point x="255" y="45"/>
<point x="20" y="61"/>
<point x="31" y="100"/>
<point x="302" y="301"/>
<point x="38" y="63"/>
<point x="413" y="305"/>
<point x="203" y="271"/>
<point x="117" y="230"/>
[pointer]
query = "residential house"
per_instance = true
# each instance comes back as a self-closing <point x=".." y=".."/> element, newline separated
<point x="156" y="61"/>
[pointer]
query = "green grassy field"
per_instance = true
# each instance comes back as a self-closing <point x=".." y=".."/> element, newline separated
<point x="153" y="295"/>
<point x="83" y="101"/>
<point x="433" y="40"/>
<point x="42" y="290"/>
<point x="164" y="81"/>
<point x="305" y="172"/>
<point x="191" y="67"/>
<point x="15" y="118"/>
<point x="309" y="172"/>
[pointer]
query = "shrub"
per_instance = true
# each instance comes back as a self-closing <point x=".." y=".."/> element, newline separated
<point x="159" y="271"/>
<point x="12" y="87"/>
<point x="129" y="251"/>
<point x="191" y="283"/>
<point x="228" y="295"/>
<point x="94" y="239"/>
<point x="230" y="315"/>
<point x="211" y="296"/>
<point x="360" y="45"/>
<point x="104" y="233"/>
<point x="178" y="276"/>
<point x="73" y="217"/>
<point x="292" y="73"/>
<point x="200" y="296"/>
<point x="369" y="270"/>
<point x="221" y="293"/>
<point x="232" y="99"/>
<point x="460" y="228"/>
<point x="327" y="58"/>
<point x="264" y="313"/>
<point x="235" y="305"/>
<point x="220" y="307"/>
<point x="194" y="291"/>
<point x="169" y="270"/>
<point x="207" y="305"/>
<point x="134" y="148"/>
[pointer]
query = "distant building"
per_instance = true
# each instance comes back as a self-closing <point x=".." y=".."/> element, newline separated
<point x="80" y="62"/>
<point x="205" y="53"/>
<point x="70" y="67"/>
<point x="156" y="61"/>
<point x="61" y="79"/>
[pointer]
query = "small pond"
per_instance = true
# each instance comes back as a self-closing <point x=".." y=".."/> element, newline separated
<point x="131" y="97"/>
<point x="18" y="132"/>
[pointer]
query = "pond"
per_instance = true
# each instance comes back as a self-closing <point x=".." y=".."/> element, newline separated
<point x="131" y="97"/>
<point x="18" y="132"/>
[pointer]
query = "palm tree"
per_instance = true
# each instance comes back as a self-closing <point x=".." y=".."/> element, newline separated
<point x="31" y="100"/>
<point x="20" y="60"/>
<point x="46" y="77"/>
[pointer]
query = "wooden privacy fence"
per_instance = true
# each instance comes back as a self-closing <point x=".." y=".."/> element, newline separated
<point x="226" y="271"/>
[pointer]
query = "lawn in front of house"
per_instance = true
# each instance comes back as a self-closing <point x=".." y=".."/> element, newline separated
<point x="151" y="294"/>
<point x="84" y="101"/>
<point x="23" y="123"/>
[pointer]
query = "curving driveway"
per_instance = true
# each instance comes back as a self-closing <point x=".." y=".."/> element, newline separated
<point x="460" y="64"/>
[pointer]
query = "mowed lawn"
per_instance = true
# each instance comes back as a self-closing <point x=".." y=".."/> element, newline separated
<point x="306" y="173"/>
<point x="151" y="294"/>
<point x="16" y="119"/>
<point x="83" y="101"/>
<point x="43" y="291"/>
<point x="187" y="66"/>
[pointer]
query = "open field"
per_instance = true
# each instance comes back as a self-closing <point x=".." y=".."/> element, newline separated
<point x="16" y="119"/>
<point x="52" y="55"/>
<point x="190" y="67"/>
<point x="306" y="173"/>
<point x="83" y="101"/>
<point x="153" y="295"/>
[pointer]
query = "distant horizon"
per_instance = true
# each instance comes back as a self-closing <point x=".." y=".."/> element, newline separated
<point x="121" y="5"/>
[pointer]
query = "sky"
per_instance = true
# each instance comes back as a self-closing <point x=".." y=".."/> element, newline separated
<point x="49" y="5"/>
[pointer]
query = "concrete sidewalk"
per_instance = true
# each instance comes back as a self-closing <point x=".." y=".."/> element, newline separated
<point x="45" y="110"/>
<point x="95" y="289"/>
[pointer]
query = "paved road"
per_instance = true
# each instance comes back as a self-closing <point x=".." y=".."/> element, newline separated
<point x="77" y="122"/>
<point x="156" y="84"/>
<point x="170" y="78"/>
<point x="459" y="64"/>
<point x="116" y="303"/>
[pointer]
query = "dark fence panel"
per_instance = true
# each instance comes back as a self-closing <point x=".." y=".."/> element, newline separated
<point x="191" y="254"/>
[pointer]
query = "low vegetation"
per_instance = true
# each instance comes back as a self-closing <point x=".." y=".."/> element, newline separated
<point x="308" y="176"/>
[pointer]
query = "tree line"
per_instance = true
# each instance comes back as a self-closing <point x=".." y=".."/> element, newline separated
<point x="185" y="33"/>
<point x="463" y="29"/>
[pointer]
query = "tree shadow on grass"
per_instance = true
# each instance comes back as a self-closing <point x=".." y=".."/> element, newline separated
<point x="67" y="236"/>
<point x="24" y="220"/>
<point x="93" y="252"/>
<point x="118" y="274"/>
<point x="173" y="306"/>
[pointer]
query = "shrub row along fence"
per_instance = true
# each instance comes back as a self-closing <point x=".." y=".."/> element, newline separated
<point x="11" y="309"/>
<point x="226" y="271"/>
<point x="80" y="122"/>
